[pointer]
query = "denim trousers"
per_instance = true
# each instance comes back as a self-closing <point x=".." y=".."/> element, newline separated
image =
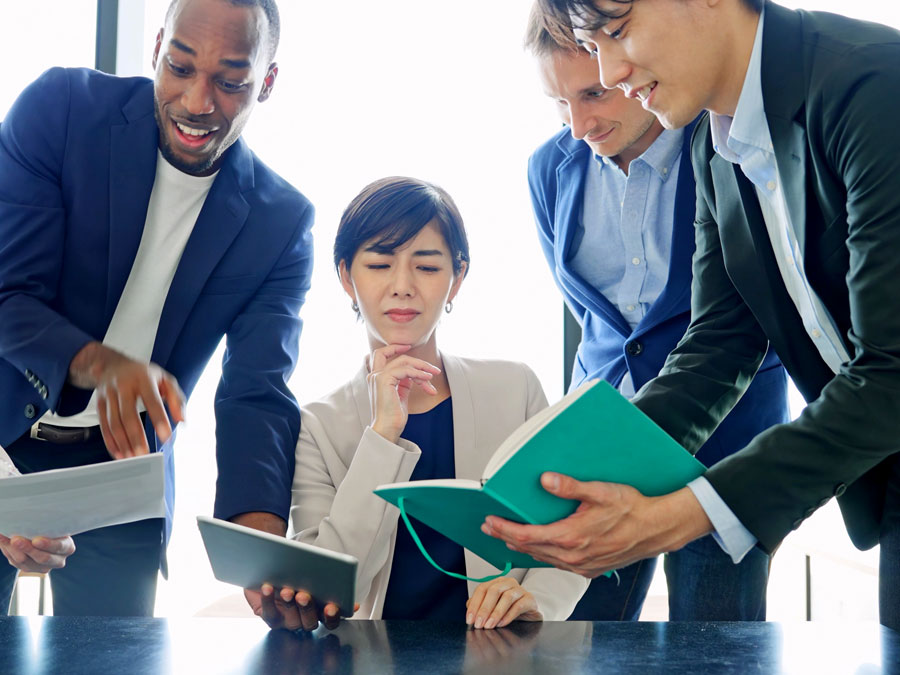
<point x="114" y="570"/>
<point x="704" y="585"/>
<point x="703" y="588"/>
<point x="889" y="562"/>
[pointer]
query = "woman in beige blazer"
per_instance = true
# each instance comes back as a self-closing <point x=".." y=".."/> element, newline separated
<point x="401" y="252"/>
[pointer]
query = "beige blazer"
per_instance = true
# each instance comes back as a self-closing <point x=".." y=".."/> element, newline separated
<point x="340" y="460"/>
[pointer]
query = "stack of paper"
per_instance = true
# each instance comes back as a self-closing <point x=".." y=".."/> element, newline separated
<point x="69" y="501"/>
<point x="7" y="468"/>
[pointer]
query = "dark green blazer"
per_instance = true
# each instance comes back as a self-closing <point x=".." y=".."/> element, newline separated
<point x="831" y="91"/>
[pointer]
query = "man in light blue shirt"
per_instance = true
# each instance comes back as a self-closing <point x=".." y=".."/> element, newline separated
<point x="613" y="196"/>
<point x="797" y="231"/>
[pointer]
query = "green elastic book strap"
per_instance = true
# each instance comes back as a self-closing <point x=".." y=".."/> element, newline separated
<point x="418" y="541"/>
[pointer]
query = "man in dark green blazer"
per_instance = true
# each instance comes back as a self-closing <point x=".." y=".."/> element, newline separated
<point x="798" y="244"/>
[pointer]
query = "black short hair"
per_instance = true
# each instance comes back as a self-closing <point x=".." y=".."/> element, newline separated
<point x="269" y="8"/>
<point x="393" y="210"/>
<point x="558" y="14"/>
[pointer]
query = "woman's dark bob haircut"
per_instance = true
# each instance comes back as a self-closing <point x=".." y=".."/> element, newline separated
<point x="391" y="211"/>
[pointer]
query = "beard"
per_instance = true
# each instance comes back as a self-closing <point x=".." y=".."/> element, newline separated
<point x="197" y="168"/>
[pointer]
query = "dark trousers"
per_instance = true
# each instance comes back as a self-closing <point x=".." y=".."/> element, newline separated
<point x="113" y="571"/>
<point x="704" y="585"/>
<point x="889" y="563"/>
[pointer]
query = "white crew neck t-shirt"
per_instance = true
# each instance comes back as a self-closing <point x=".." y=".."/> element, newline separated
<point x="175" y="203"/>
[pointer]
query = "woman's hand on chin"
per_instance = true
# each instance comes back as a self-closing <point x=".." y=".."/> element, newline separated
<point x="499" y="602"/>
<point x="392" y="375"/>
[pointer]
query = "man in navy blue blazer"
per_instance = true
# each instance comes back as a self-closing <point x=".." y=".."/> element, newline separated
<point x="136" y="230"/>
<point x="613" y="196"/>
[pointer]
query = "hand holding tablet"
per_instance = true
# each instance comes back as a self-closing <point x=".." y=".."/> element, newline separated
<point x="270" y="568"/>
<point x="292" y="610"/>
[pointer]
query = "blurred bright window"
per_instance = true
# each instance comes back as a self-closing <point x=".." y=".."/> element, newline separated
<point x="440" y="91"/>
<point x="437" y="90"/>
<point x="38" y="34"/>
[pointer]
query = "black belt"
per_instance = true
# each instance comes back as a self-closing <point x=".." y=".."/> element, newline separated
<point x="64" y="435"/>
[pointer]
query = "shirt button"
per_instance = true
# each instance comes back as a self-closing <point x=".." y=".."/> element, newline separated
<point x="630" y="308"/>
<point x="665" y="171"/>
<point x="816" y="333"/>
<point x="771" y="185"/>
<point x="635" y="261"/>
<point x="30" y="411"/>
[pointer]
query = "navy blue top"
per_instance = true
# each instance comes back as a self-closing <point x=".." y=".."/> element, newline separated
<point x="416" y="590"/>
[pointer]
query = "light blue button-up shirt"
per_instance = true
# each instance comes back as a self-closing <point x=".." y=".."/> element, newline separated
<point x="626" y="229"/>
<point x="745" y="140"/>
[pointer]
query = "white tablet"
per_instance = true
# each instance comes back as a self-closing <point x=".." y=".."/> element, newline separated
<point x="249" y="558"/>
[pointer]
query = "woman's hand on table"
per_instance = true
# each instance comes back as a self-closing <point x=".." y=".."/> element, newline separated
<point x="499" y="602"/>
<point x="392" y="375"/>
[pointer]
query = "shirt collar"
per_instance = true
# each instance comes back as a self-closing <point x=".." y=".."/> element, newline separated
<point x="733" y="136"/>
<point x="168" y="173"/>
<point x="660" y="156"/>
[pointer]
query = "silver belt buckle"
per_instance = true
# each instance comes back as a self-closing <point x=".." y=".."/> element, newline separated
<point x="34" y="431"/>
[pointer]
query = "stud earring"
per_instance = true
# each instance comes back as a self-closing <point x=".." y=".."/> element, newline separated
<point x="354" y="306"/>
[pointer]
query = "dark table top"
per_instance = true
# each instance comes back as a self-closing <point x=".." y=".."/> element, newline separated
<point x="40" y="646"/>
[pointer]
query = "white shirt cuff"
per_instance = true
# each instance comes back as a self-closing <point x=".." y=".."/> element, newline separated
<point x="730" y="534"/>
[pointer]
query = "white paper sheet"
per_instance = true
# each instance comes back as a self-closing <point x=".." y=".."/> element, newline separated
<point x="7" y="468"/>
<point x="69" y="501"/>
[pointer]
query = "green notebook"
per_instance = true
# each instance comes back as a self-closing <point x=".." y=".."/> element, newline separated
<point x="592" y="434"/>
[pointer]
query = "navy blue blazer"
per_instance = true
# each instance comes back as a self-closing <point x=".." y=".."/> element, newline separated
<point x="609" y="347"/>
<point x="78" y="155"/>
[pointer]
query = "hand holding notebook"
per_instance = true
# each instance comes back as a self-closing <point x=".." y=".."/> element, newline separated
<point x="614" y="526"/>
<point x="593" y="434"/>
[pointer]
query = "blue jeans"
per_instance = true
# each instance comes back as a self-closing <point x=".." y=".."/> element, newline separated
<point x="704" y="585"/>
<point x="889" y="563"/>
<point x="113" y="571"/>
